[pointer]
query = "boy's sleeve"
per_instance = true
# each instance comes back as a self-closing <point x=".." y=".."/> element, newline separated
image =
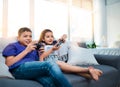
<point x="9" y="50"/>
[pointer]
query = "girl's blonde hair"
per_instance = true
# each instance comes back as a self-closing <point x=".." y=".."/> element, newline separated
<point x="43" y="34"/>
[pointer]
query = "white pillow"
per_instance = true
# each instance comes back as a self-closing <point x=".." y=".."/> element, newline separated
<point x="81" y="56"/>
<point x="64" y="47"/>
<point x="63" y="51"/>
<point x="4" y="72"/>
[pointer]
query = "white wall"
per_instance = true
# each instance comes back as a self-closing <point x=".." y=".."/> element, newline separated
<point x="113" y="21"/>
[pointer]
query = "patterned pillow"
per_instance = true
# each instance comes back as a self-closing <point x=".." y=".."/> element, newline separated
<point x="63" y="51"/>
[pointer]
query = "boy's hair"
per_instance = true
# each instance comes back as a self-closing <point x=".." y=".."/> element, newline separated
<point x="23" y="29"/>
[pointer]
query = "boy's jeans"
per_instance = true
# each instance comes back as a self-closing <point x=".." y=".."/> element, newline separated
<point x="47" y="73"/>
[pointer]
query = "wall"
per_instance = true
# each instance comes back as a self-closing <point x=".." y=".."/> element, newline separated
<point x="113" y="21"/>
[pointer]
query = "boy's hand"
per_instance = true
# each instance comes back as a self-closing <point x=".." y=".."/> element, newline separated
<point x="31" y="46"/>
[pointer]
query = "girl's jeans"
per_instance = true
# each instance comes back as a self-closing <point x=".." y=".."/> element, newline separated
<point x="47" y="73"/>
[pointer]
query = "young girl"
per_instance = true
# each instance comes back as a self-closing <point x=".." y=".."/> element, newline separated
<point x="47" y="38"/>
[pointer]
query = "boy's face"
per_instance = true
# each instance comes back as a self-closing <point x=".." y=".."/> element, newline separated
<point x="25" y="38"/>
<point x="48" y="38"/>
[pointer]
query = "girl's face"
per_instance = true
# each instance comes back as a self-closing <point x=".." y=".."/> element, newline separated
<point x="48" y="38"/>
<point x="25" y="38"/>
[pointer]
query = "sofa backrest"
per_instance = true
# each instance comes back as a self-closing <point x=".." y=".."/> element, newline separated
<point x="4" y="41"/>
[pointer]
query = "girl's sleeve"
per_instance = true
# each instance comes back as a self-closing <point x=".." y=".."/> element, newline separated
<point x="9" y="51"/>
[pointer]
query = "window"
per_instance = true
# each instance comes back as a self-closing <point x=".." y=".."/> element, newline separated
<point x="71" y="17"/>
<point x="81" y="20"/>
<point x="80" y="24"/>
<point x="51" y="15"/>
<point x="18" y="15"/>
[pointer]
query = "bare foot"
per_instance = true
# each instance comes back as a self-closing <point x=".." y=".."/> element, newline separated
<point x="98" y="72"/>
<point x="92" y="71"/>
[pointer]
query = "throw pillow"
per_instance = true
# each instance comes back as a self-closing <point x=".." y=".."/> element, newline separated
<point x="4" y="72"/>
<point x="81" y="56"/>
<point x="63" y="51"/>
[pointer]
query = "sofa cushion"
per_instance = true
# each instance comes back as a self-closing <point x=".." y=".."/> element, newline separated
<point x="108" y="78"/>
<point x="4" y="72"/>
<point x="76" y="80"/>
<point x="81" y="56"/>
<point x="3" y="42"/>
<point x="6" y="82"/>
<point x="106" y="51"/>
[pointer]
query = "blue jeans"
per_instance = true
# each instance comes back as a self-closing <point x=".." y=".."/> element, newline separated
<point x="47" y="73"/>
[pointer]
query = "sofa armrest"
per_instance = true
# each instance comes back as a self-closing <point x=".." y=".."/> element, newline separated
<point x="112" y="60"/>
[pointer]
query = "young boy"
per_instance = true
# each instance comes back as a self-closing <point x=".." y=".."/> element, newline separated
<point x="23" y="62"/>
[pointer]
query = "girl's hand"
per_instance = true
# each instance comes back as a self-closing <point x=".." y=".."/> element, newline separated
<point x="55" y="47"/>
<point x="41" y="59"/>
<point x="41" y="50"/>
<point x="63" y="38"/>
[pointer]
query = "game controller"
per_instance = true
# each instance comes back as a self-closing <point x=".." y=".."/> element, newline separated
<point x="61" y="40"/>
<point x="59" y="43"/>
<point x="38" y="45"/>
